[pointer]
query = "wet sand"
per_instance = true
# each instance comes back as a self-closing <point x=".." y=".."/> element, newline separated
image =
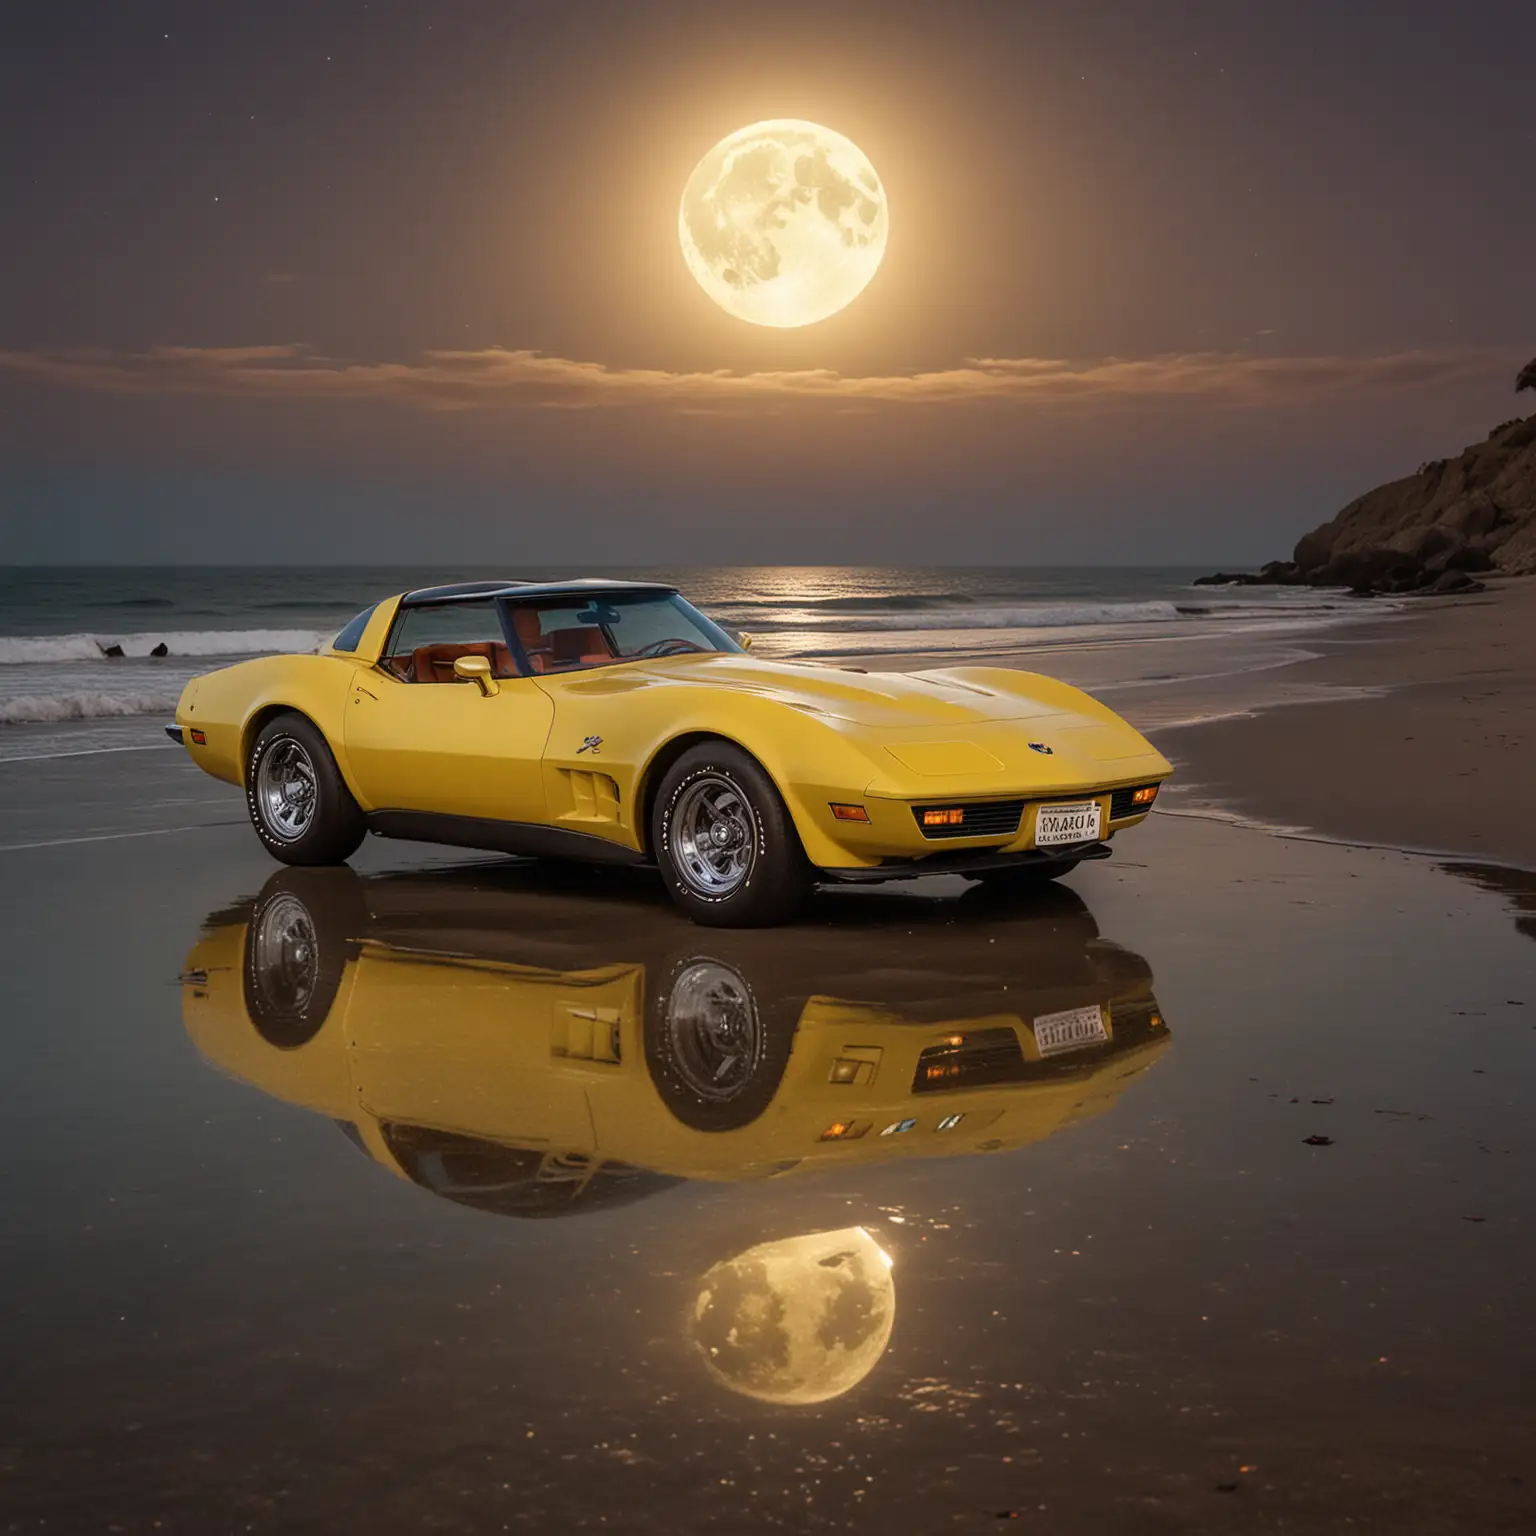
<point x="1429" y="741"/>
<point x="432" y="1233"/>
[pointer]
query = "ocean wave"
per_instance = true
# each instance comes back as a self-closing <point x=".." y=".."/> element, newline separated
<point x="20" y="650"/>
<point x="50" y="708"/>
<point x="1044" y="616"/>
<point x="310" y="605"/>
<point x="899" y="602"/>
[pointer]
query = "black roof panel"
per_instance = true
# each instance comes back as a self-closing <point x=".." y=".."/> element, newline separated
<point x="466" y="590"/>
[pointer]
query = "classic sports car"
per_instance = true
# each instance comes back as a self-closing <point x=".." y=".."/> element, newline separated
<point x="472" y="1033"/>
<point x="612" y="721"/>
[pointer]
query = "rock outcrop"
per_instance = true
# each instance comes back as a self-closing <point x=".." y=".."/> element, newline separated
<point x="1476" y="512"/>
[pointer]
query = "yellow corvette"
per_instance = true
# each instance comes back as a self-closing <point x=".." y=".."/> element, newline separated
<point x="472" y="1035"/>
<point x="613" y="722"/>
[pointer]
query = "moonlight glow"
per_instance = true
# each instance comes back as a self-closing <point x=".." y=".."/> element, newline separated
<point x="783" y="223"/>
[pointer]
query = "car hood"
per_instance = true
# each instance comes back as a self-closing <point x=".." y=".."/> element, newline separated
<point x="893" y="700"/>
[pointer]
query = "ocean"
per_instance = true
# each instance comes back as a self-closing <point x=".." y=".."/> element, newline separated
<point x="60" y="692"/>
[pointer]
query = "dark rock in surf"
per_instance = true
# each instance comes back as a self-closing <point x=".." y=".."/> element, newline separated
<point x="161" y="650"/>
<point x="1274" y="573"/>
<point x="114" y="651"/>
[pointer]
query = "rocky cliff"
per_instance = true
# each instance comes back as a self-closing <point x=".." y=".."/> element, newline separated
<point x="1476" y="512"/>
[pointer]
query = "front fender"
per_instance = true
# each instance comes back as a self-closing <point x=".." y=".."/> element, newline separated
<point x="813" y="760"/>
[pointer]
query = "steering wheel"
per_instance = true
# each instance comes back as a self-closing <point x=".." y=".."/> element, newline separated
<point x="675" y="646"/>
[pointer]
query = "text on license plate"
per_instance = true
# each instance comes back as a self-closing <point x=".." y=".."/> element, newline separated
<point x="1056" y="825"/>
<point x="1069" y="1031"/>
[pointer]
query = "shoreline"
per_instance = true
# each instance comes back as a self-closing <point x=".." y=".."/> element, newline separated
<point x="1425" y="745"/>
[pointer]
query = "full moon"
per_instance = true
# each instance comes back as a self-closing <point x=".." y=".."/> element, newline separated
<point x="797" y="1321"/>
<point x="783" y="223"/>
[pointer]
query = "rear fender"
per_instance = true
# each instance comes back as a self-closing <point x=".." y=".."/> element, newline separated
<point x="230" y="707"/>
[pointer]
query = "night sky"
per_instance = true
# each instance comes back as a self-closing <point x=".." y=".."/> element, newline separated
<point x="292" y="280"/>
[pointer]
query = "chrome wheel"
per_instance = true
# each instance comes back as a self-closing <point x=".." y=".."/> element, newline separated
<point x="285" y="958"/>
<point x="714" y="837"/>
<point x="285" y="789"/>
<point x="714" y="1039"/>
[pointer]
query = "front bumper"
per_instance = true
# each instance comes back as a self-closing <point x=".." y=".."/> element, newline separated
<point x="176" y="734"/>
<point x="964" y="861"/>
<point x="893" y="833"/>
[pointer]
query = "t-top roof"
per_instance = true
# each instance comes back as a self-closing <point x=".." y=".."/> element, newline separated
<point x="464" y="591"/>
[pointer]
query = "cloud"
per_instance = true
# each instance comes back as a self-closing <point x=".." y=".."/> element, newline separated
<point x="495" y="376"/>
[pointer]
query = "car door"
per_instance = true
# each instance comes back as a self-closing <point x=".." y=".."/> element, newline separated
<point x="418" y="738"/>
<point x="505" y="1052"/>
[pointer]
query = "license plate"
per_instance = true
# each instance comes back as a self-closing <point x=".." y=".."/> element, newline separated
<point x="1069" y="1031"/>
<point x="1058" y="825"/>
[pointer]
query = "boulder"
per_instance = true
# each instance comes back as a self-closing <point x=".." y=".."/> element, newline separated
<point x="114" y="651"/>
<point x="1381" y="570"/>
<point x="161" y="650"/>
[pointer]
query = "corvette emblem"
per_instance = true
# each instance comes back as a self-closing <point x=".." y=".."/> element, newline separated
<point x="1040" y="747"/>
<point x="593" y="744"/>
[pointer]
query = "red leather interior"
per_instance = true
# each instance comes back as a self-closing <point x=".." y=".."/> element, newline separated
<point x="534" y="642"/>
<point x="579" y="645"/>
<point x="434" y="663"/>
<point x="557" y="651"/>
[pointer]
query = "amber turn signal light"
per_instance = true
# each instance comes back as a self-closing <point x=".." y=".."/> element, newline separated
<point x="1145" y="795"/>
<point x="845" y="1130"/>
<point x="849" y="812"/>
<point x="954" y="816"/>
<point x="199" y="737"/>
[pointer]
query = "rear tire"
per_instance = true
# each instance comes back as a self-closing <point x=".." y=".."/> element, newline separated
<point x="304" y="928"/>
<point x="298" y="801"/>
<point x="726" y="845"/>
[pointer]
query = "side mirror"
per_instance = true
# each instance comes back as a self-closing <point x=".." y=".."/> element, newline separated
<point x="744" y="641"/>
<point x="477" y="670"/>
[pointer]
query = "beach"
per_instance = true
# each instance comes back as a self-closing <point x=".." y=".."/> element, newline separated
<point x="1252" y="1252"/>
<point x="1429" y="742"/>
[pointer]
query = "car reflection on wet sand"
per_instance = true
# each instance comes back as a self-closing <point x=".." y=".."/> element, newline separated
<point x="486" y="1034"/>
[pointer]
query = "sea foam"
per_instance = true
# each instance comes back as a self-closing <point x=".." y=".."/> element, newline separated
<point x="20" y="650"/>
<point x="49" y="708"/>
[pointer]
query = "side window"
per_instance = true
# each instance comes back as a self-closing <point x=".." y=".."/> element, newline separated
<point x="349" y="637"/>
<point x="426" y="642"/>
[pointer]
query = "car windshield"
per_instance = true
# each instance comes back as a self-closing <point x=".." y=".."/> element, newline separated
<point x="566" y="634"/>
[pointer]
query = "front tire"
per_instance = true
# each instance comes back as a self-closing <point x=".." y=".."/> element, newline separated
<point x="298" y="801"/>
<point x="716" y="1050"/>
<point x="727" y="848"/>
